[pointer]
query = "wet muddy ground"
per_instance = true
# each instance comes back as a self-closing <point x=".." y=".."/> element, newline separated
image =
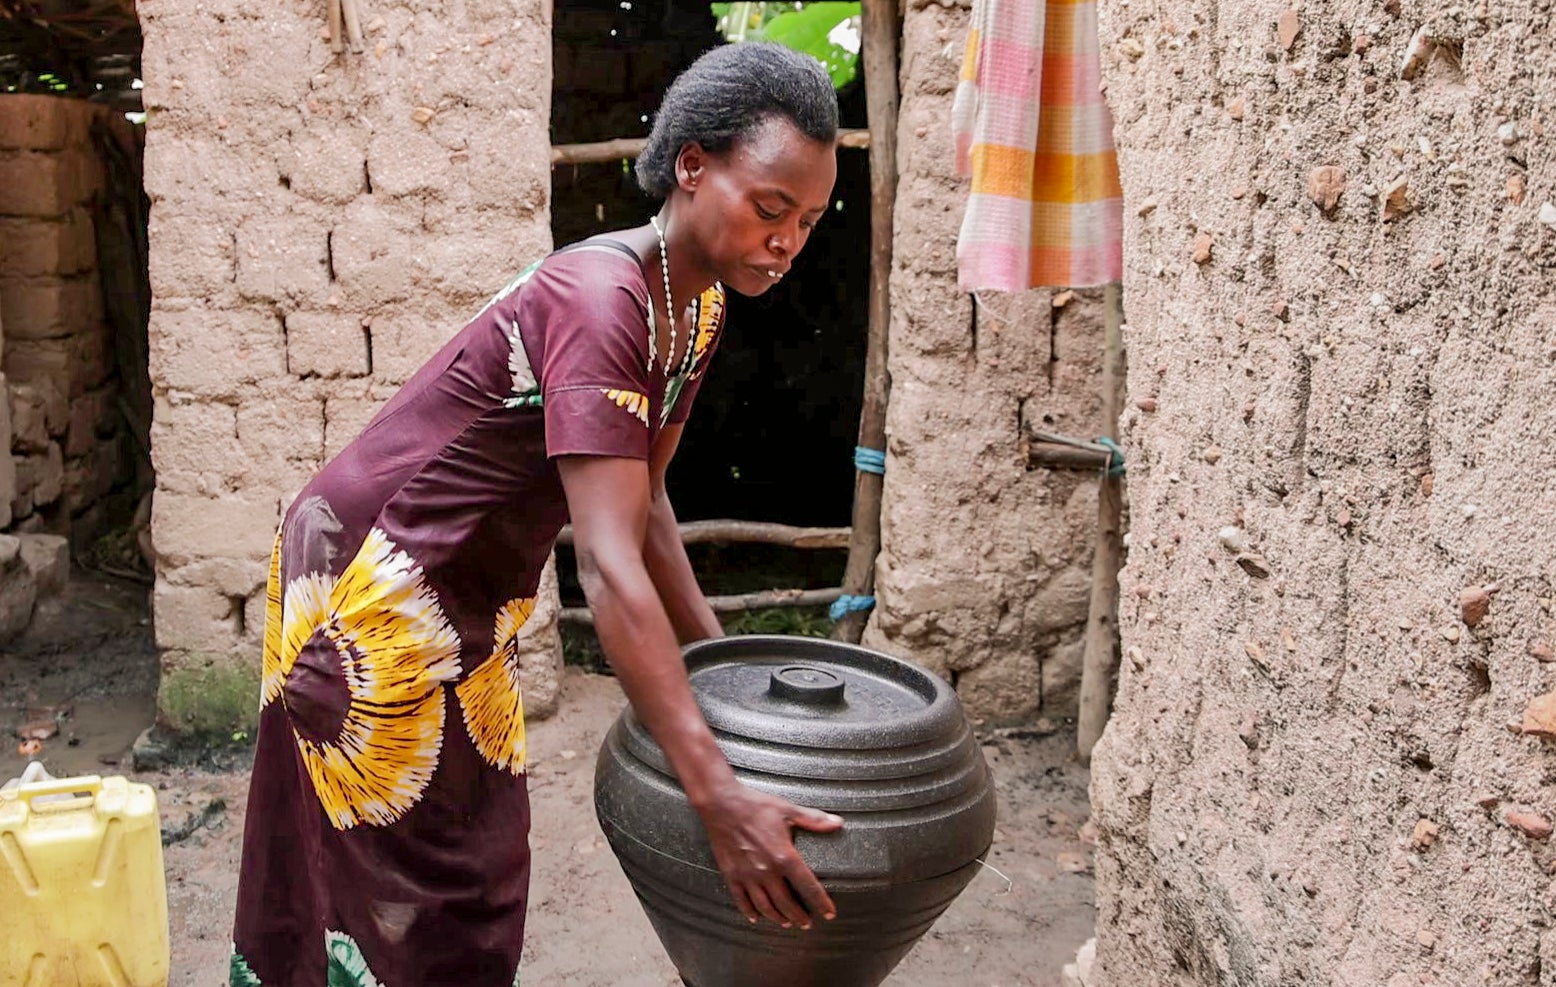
<point x="91" y="653"/>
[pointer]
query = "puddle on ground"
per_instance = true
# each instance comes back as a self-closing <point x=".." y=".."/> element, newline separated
<point x="88" y="663"/>
<point x="92" y="739"/>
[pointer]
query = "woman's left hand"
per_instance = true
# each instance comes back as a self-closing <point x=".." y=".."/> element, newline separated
<point x="753" y="843"/>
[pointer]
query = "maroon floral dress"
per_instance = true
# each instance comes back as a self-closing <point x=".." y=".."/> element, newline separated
<point x="388" y="820"/>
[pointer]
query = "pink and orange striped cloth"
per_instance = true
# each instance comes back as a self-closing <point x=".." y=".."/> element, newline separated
<point x="1035" y="135"/>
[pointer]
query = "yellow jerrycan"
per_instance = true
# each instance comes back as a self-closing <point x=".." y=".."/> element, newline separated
<point x="83" y="901"/>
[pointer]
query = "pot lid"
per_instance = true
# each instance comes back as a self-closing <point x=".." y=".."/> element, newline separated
<point x="812" y="692"/>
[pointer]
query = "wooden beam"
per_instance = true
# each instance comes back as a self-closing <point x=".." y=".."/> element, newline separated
<point x="630" y="147"/>
<point x="879" y="55"/>
<point x="1067" y="458"/>
<point x="1100" y="650"/>
<point x="758" y="532"/>
<point x="734" y="604"/>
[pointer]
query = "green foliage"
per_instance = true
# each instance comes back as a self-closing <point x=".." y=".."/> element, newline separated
<point x="805" y="27"/>
<point x="796" y="621"/>
<point x="218" y="698"/>
<point x="582" y="649"/>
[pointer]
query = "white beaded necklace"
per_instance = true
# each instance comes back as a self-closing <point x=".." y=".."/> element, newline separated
<point x="664" y="269"/>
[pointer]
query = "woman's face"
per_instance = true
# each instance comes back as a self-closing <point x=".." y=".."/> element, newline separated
<point x="752" y="208"/>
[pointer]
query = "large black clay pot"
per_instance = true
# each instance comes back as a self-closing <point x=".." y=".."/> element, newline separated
<point x="878" y="741"/>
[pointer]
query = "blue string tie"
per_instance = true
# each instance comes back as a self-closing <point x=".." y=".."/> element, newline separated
<point x="870" y="461"/>
<point x="1115" y="467"/>
<point x="847" y="604"/>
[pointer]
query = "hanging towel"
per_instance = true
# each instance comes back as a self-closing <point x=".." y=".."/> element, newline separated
<point x="1035" y="136"/>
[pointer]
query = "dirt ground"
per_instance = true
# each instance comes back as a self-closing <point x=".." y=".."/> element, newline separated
<point x="1018" y="923"/>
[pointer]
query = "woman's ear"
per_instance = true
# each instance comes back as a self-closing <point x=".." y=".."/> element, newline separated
<point x="689" y="165"/>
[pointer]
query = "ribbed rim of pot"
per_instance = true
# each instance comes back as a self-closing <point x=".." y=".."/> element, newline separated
<point x="938" y="715"/>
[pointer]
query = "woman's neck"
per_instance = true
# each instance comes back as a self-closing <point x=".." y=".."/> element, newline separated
<point x="689" y="273"/>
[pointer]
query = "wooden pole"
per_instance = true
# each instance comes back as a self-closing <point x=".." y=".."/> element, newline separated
<point x="759" y="532"/>
<point x="1099" y="656"/>
<point x="734" y="604"/>
<point x="1067" y="457"/>
<point x="631" y="147"/>
<point x="879" y="52"/>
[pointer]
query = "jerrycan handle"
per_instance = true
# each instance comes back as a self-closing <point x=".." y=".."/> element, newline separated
<point x="89" y="785"/>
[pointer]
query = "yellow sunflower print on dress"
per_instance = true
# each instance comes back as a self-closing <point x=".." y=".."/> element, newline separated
<point x="491" y="698"/>
<point x="273" y="674"/>
<point x="710" y="314"/>
<point x="396" y="649"/>
<point x="636" y="404"/>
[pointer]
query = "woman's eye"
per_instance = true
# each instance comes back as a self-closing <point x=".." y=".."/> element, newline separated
<point x="766" y="214"/>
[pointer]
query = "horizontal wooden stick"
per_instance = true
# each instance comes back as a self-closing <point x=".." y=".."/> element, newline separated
<point x="631" y="147"/>
<point x="735" y="604"/>
<point x="761" y="532"/>
<point x="1067" y="457"/>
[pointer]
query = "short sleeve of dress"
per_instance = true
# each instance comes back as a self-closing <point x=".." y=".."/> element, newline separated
<point x="594" y="368"/>
<point x="709" y="317"/>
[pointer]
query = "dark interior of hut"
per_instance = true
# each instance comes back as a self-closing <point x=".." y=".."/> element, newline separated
<point x="773" y="432"/>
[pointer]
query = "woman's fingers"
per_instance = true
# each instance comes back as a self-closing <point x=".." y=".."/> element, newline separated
<point x="743" y="902"/>
<point x="814" y="819"/>
<point x="763" y="904"/>
<point x="803" y="880"/>
<point x="782" y="897"/>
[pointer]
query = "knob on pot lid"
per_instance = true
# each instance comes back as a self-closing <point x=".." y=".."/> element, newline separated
<point x="811" y="692"/>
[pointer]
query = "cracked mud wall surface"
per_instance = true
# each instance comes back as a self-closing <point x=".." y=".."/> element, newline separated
<point x="320" y="225"/>
<point x="1309" y="775"/>
<point x="986" y="559"/>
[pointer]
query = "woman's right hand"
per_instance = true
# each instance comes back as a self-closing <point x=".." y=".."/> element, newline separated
<point x="753" y="843"/>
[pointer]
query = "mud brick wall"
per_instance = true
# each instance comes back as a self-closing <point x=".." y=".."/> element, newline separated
<point x="1326" y="762"/>
<point x="986" y="559"/>
<point x="60" y="424"/>
<point x="320" y="225"/>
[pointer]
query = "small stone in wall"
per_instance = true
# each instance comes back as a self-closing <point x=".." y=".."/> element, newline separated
<point x="1516" y="189"/>
<point x="1427" y="482"/>
<point x="1248" y="732"/>
<point x="1531" y="824"/>
<point x="1147" y="404"/>
<point x="1255" y="565"/>
<point x="1237" y="108"/>
<point x="1212" y="454"/>
<point x="1287" y="26"/>
<point x="1204" y="245"/>
<point x="1233" y="538"/>
<point x="1420" y="51"/>
<point x="1396" y="199"/>
<point x="1425" y="834"/>
<point x="1548" y="214"/>
<point x="1437" y="262"/>
<point x="1540" y="717"/>
<point x="1324" y="185"/>
<point x="1474" y="603"/>
<point x="1450" y="634"/>
<point x="1540" y="650"/>
<point x="1131" y="49"/>
<point x="423" y="115"/>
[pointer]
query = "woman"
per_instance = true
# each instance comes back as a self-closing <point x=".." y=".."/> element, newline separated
<point x="388" y="816"/>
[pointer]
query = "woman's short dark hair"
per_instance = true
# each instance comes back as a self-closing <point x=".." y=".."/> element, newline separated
<point x="729" y="92"/>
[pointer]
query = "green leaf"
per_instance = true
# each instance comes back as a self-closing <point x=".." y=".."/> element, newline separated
<point x="238" y="972"/>
<point x="347" y="966"/>
<point x="808" y="30"/>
